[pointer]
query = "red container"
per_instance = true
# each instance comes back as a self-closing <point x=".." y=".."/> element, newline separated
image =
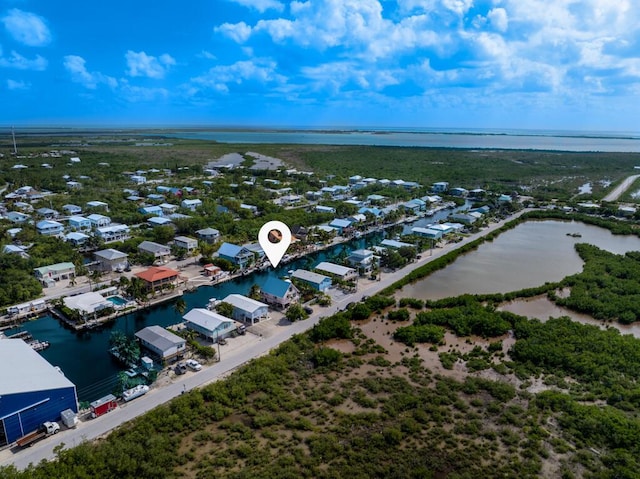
<point x="103" y="405"/>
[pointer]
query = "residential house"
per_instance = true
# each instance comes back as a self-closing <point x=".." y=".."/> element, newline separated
<point x="76" y="238"/>
<point x="32" y="307"/>
<point x="465" y="218"/>
<point x="162" y="343"/>
<point x="49" y="228"/>
<point x="363" y="260"/>
<point x="393" y="244"/>
<point x="157" y="278"/>
<point x="440" y="187"/>
<point x="210" y="235"/>
<point x="238" y="255"/>
<point x="209" y="324"/>
<point x="138" y="179"/>
<point x="355" y="179"/>
<point x="247" y="309"/>
<point x="315" y="280"/>
<point x="159" y="251"/>
<point x="357" y="218"/>
<point x="72" y="209"/>
<point x="325" y="209"/>
<point x="15" y="249"/>
<point x="340" y="272"/>
<point x="151" y="210"/>
<point x="477" y="193"/>
<point x="279" y="293"/>
<point x="98" y="205"/>
<point x="159" y="221"/>
<point x="26" y="207"/>
<point x="111" y="260"/>
<point x="427" y="233"/>
<point x="79" y="223"/>
<point x="112" y="233"/>
<point x="87" y="304"/>
<point x="73" y="185"/>
<point x="185" y="242"/>
<point x="55" y="272"/>
<point x="458" y="192"/>
<point x="47" y="213"/>
<point x="191" y="204"/>
<point x="168" y="208"/>
<point x="341" y="225"/>
<point x="99" y="221"/>
<point x="504" y="199"/>
<point x="17" y="217"/>
<point x="155" y="197"/>
<point x="252" y="208"/>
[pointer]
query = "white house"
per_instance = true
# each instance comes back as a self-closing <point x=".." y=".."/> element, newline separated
<point x="209" y="324"/>
<point x="161" y="342"/>
<point x="335" y="270"/>
<point x="279" y="293"/>
<point x="191" y="204"/>
<point x="247" y="309"/>
<point x="185" y="242"/>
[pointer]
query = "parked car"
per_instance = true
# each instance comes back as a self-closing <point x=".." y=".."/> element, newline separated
<point x="222" y="341"/>
<point x="194" y="365"/>
<point x="180" y="368"/>
<point x="308" y="309"/>
<point x="242" y="329"/>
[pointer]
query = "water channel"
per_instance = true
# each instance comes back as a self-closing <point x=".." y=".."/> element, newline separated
<point x="84" y="357"/>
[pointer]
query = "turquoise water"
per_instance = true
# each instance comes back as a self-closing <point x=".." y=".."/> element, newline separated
<point x="117" y="300"/>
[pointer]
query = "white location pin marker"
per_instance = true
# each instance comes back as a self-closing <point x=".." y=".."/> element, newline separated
<point x="274" y="250"/>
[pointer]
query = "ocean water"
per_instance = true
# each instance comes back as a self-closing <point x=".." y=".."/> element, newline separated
<point x="480" y="139"/>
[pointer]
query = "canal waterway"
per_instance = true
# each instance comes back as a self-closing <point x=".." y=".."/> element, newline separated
<point x="529" y="255"/>
<point x="83" y="356"/>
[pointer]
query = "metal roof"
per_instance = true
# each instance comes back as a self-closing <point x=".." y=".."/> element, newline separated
<point x="276" y="287"/>
<point x="110" y="254"/>
<point x="243" y="303"/>
<point x="335" y="268"/>
<point x="24" y="370"/>
<point x="159" y="337"/>
<point x="206" y="319"/>
<point x="310" y="276"/>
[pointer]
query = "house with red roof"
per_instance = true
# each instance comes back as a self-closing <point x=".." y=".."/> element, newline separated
<point x="157" y="278"/>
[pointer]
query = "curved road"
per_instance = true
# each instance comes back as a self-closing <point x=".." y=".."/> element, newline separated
<point x="94" y="428"/>
<point x="621" y="188"/>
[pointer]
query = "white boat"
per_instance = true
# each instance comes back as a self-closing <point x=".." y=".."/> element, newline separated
<point x="139" y="390"/>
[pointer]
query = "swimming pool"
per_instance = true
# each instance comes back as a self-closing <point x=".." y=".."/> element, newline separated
<point x="117" y="300"/>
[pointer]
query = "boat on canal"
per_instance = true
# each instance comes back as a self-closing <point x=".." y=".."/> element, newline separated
<point x="135" y="392"/>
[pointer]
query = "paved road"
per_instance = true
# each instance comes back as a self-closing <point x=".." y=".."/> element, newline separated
<point x="231" y="360"/>
<point x="621" y="188"/>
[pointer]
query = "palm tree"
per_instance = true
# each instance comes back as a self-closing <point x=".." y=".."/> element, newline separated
<point x="180" y="306"/>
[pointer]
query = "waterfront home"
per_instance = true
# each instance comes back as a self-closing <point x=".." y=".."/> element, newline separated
<point x="481" y="209"/>
<point x="47" y="213"/>
<point x="626" y="211"/>
<point x="317" y="281"/>
<point x="113" y="233"/>
<point x="157" y="278"/>
<point x="191" y="204"/>
<point x="414" y="206"/>
<point x="99" y="221"/>
<point x="340" y="225"/>
<point x="17" y="217"/>
<point x="441" y="227"/>
<point x="209" y="324"/>
<point x="377" y="212"/>
<point x="212" y="271"/>
<point x="55" y="272"/>
<point x="161" y="343"/>
<point x="238" y="255"/>
<point x="210" y="235"/>
<point x="159" y="251"/>
<point x="393" y="244"/>
<point x="357" y="218"/>
<point x="279" y="293"/>
<point x="87" y="304"/>
<point x="138" y="179"/>
<point x="72" y="209"/>
<point x="98" y="205"/>
<point x="440" y="187"/>
<point x="185" y="242"/>
<point x="465" y="218"/>
<point x="151" y="210"/>
<point x="32" y="307"/>
<point x="427" y="233"/>
<point x="477" y="193"/>
<point x="49" y="228"/>
<point x="504" y="199"/>
<point x="76" y="238"/>
<point x="111" y="260"/>
<point x="343" y="273"/>
<point x="363" y="260"/>
<point x="79" y="223"/>
<point x="247" y="309"/>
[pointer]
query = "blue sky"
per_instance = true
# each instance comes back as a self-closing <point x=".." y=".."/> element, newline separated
<point x="540" y="64"/>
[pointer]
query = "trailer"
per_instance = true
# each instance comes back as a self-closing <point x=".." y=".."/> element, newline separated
<point x="103" y="405"/>
<point x="48" y="428"/>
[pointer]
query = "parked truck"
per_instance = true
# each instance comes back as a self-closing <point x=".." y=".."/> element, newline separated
<point x="48" y="428"/>
<point x="103" y="405"/>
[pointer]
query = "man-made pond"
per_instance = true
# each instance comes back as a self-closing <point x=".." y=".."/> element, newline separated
<point x="529" y="255"/>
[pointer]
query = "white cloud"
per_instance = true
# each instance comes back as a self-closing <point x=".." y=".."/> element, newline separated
<point x="75" y="65"/>
<point x="135" y="94"/>
<point x="238" y="32"/>
<point x="261" y="5"/>
<point x="499" y="19"/>
<point x="15" y="60"/>
<point x="17" y="85"/>
<point x="335" y="76"/>
<point x="27" y="28"/>
<point x="142" y="65"/>
<point x="221" y="76"/>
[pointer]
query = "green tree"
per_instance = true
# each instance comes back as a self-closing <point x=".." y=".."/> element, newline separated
<point x="225" y="309"/>
<point x="296" y="313"/>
